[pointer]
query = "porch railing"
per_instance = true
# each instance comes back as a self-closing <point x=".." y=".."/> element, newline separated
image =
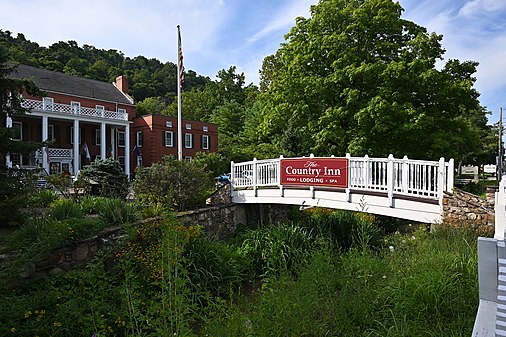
<point x="73" y="110"/>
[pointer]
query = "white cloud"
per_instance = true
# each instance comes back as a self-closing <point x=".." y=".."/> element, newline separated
<point x="284" y="20"/>
<point x="473" y="7"/>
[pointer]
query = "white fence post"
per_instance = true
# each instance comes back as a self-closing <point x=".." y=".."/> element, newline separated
<point x="281" y="190"/>
<point x="450" y="175"/>
<point x="348" y="195"/>
<point x="500" y="211"/>
<point x="255" y="176"/>
<point x="441" y="180"/>
<point x="390" y="180"/>
<point x="367" y="171"/>
<point x="405" y="174"/>
<point x="232" y="177"/>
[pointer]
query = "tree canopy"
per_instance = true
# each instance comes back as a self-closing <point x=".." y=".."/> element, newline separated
<point x="356" y="77"/>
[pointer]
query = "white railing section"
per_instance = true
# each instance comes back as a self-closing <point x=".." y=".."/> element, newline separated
<point x="418" y="178"/>
<point x="53" y="152"/>
<point x="73" y="110"/>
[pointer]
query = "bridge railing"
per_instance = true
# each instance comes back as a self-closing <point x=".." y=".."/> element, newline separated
<point x="419" y="178"/>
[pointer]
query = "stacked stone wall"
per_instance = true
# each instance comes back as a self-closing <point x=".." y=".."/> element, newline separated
<point x="465" y="209"/>
<point x="217" y="221"/>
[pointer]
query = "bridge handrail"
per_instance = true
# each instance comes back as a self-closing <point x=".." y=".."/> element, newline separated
<point x="419" y="178"/>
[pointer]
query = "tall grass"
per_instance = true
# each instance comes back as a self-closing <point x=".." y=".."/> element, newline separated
<point x="425" y="286"/>
<point x="284" y="280"/>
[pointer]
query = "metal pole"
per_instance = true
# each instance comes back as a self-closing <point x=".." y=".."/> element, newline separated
<point x="179" y="117"/>
<point x="500" y="154"/>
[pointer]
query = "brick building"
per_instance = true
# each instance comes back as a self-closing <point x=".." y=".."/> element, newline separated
<point x="155" y="136"/>
<point x="105" y="116"/>
<point x="100" y="111"/>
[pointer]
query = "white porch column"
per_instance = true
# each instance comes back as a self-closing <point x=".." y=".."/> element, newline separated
<point x="113" y="143"/>
<point x="127" y="151"/>
<point x="103" y="145"/>
<point x="8" y="123"/>
<point x="45" y="151"/>
<point x="77" y="153"/>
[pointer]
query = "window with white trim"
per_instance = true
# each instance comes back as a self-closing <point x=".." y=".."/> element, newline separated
<point x="72" y="135"/>
<point x="168" y="139"/>
<point x="98" y="137"/>
<point x="139" y="138"/>
<point x="121" y="138"/>
<point x="75" y="107"/>
<point x="188" y="158"/>
<point x="188" y="140"/>
<point x="139" y="161"/>
<point x="50" y="133"/>
<point x="18" y="128"/>
<point x="168" y="124"/>
<point x="205" y="129"/>
<point x="48" y="103"/>
<point x="15" y="159"/>
<point x="205" y="142"/>
<point x="100" y="109"/>
<point x="188" y="126"/>
<point x="122" y="110"/>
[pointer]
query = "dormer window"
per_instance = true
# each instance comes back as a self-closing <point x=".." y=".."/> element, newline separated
<point x="47" y="103"/>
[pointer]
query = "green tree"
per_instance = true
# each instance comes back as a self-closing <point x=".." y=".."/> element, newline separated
<point x="150" y="105"/>
<point x="356" y="77"/>
<point x="173" y="183"/>
<point x="15" y="185"/>
<point x="106" y="178"/>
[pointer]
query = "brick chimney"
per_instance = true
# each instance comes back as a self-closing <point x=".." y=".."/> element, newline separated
<point x="122" y="83"/>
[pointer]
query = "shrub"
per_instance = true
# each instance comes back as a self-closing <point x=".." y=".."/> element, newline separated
<point x="214" y="266"/>
<point x="344" y="228"/>
<point x="279" y="248"/>
<point x="118" y="212"/>
<point x="92" y="204"/>
<point x="42" y="198"/>
<point x="62" y="209"/>
<point x="15" y="188"/>
<point x="106" y="178"/>
<point x="174" y="183"/>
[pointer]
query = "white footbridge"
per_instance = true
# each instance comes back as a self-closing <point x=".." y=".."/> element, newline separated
<point x="402" y="188"/>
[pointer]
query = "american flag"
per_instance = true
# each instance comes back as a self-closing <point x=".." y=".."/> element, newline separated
<point x="180" y="58"/>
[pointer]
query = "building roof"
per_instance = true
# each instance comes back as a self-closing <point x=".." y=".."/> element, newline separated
<point x="52" y="81"/>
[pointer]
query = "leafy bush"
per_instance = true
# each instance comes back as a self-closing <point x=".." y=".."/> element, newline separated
<point x="15" y="188"/>
<point x="106" y="178"/>
<point x="92" y="204"/>
<point x="345" y="229"/>
<point x="214" y="266"/>
<point x="62" y="209"/>
<point x="42" y="198"/>
<point x="279" y="248"/>
<point x="154" y="210"/>
<point x="212" y="162"/>
<point x="173" y="183"/>
<point x="118" y="212"/>
<point x="476" y="188"/>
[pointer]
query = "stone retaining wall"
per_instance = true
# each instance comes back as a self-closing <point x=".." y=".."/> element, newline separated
<point x="466" y="209"/>
<point x="218" y="221"/>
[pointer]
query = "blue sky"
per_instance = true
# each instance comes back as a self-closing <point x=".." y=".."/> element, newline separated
<point x="219" y="33"/>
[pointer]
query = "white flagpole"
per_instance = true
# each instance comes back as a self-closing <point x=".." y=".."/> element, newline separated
<point x="180" y="68"/>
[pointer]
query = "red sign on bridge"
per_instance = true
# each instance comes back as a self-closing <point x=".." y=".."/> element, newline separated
<point x="331" y="172"/>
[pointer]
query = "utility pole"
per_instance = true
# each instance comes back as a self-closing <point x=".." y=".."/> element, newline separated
<point x="500" y="154"/>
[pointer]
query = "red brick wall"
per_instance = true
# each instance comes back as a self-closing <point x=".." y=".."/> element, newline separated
<point x="153" y="127"/>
